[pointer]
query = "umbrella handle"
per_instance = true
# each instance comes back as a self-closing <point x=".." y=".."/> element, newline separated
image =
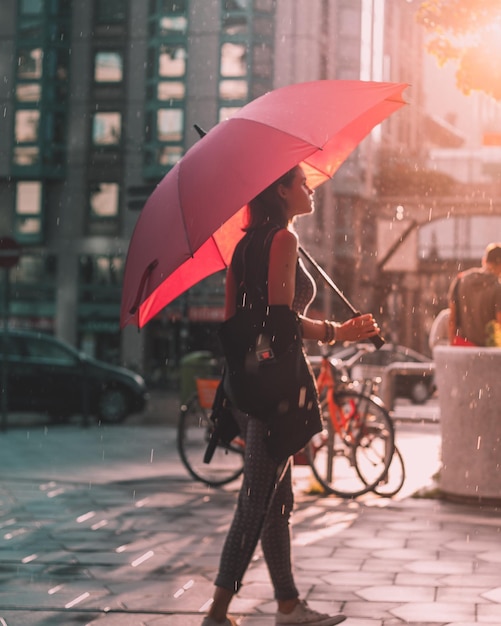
<point x="377" y="340"/>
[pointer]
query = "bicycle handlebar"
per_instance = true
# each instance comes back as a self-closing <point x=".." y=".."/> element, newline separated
<point x="341" y="364"/>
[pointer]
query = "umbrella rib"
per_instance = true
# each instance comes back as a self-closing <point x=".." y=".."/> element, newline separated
<point x="285" y="132"/>
<point x="319" y="169"/>
<point x="185" y="228"/>
<point x="142" y="283"/>
<point x="218" y="250"/>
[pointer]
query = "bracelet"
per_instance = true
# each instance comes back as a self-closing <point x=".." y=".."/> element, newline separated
<point x="330" y="332"/>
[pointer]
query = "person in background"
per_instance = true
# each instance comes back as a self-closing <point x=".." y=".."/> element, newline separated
<point x="266" y="499"/>
<point x="475" y="302"/>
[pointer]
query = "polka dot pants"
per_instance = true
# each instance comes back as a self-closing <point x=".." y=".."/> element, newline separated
<point x="263" y="510"/>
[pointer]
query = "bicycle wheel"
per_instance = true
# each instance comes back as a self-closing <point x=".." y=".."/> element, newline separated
<point x="376" y="442"/>
<point x="350" y="460"/>
<point x="193" y="433"/>
<point x="394" y="478"/>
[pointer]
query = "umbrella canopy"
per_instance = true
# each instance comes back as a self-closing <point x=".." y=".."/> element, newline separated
<point x="191" y="223"/>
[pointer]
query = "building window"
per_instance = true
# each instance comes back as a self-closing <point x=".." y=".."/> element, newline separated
<point x="28" y="92"/>
<point x="168" y="156"/>
<point x="106" y="129"/>
<point x="29" y="64"/>
<point x="108" y="67"/>
<point x="233" y="59"/>
<point x="235" y="18"/>
<point x="104" y="201"/>
<point x="227" y="112"/>
<point x="28" y="219"/>
<point x="34" y="282"/>
<point x="175" y="23"/>
<point x="101" y="270"/>
<point x="103" y="209"/>
<point x="26" y="127"/>
<point x="31" y="7"/>
<point x="36" y="270"/>
<point x="100" y="278"/>
<point x="26" y="136"/>
<point x="172" y="61"/>
<point x="170" y="124"/>
<point x="166" y="86"/>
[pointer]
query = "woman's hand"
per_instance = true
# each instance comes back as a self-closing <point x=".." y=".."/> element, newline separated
<point x="358" y="328"/>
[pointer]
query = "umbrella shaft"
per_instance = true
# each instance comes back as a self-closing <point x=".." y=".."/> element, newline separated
<point x="377" y="340"/>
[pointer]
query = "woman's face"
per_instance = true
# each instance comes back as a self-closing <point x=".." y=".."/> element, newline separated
<point x="298" y="197"/>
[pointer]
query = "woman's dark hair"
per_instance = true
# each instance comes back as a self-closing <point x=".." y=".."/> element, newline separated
<point x="268" y="206"/>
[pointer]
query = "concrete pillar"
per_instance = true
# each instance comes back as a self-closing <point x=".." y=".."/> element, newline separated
<point x="469" y="391"/>
<point x="7" y="48"/>
<point x="202" y="79"/>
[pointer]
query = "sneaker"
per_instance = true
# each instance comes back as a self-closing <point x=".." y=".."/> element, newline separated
<point x="208" y="621"/>
<point x="302" y="614"/>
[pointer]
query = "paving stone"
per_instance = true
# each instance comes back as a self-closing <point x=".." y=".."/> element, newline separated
<point x="461" y="594"/>
<point x="439" y="567"/>
<point x="489" y="614"/>
<point x="397" y="593"/>
<point x="405" y="554"/>
<point x="491" y="556"/>
<point x="465" y="546"/>
<point x="329" y="565"/>
<point x="441" y="612"/>
<point x="369" y="610"/>
<point x="494" y="595"/>
<point x="485" y="581"/>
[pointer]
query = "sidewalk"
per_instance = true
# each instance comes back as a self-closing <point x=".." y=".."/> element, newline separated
<point x="102" y="526"/>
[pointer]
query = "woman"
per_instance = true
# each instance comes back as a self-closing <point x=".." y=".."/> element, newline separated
<point x="266" y="499"/>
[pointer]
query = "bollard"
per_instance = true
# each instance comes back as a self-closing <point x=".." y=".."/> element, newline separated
<point x="469" y="393"/>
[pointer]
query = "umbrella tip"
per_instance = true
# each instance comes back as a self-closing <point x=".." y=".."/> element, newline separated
<point x="199" y="130"/>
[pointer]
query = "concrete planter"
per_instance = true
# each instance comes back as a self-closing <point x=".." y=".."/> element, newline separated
<point x="469" y="391"/>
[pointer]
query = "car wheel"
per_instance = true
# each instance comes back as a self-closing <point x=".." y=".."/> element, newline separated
<point x="420" y="392"/>
<point x="113" y="405"/>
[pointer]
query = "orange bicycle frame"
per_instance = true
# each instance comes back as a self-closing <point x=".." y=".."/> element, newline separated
<point x="340" y="421"/>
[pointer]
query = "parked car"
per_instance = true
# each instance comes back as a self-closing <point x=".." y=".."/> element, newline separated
<point x="47" y="375"/>
<point x="364" y="361"/>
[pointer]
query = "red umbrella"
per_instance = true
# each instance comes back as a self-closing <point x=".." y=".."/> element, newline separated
<point x="191" y="223"/>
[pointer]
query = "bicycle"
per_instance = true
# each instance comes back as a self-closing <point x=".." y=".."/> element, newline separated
<point x="193" y="433"/>
<point x="355" y="452"/>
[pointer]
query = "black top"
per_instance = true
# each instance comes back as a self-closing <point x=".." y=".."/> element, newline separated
<point x="250" y="267"/>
